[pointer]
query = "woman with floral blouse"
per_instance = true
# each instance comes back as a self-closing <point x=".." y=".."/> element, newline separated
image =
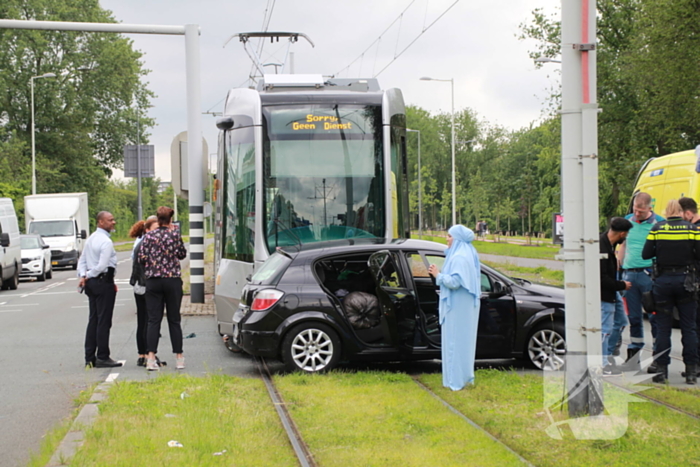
<point x="160" y="254"/>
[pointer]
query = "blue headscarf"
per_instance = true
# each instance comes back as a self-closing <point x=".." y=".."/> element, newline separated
<point x="461" y="260"/>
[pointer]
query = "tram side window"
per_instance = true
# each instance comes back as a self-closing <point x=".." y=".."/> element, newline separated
<point x="239" y="195"/>
<point x="399" y="177"/>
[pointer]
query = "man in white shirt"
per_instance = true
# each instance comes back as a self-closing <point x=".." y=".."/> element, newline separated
<point x="96" y="269"/>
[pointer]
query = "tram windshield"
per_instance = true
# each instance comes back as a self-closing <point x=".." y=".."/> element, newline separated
<point x="322" y="166"/>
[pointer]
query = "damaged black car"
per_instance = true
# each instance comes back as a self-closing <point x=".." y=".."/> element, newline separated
<point x="320" y="304"/>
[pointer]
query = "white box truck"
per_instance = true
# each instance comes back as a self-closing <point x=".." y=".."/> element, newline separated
<point x="63" y="222"/>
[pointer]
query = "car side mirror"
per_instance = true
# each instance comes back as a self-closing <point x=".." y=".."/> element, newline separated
<point x="83" y="234"/>
<point x="499" y="290"/>
<point x="4" y="240"/>
<point x="248" y="278"/>
<point x="45" y="247"/>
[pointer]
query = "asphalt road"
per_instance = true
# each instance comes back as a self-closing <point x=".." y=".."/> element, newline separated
<point x="42" y="331"/>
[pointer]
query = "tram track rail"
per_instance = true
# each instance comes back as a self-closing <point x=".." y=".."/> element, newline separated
<point x="301" y="450"/>
<point x="452" y="409"/>
<point x="654" y="400"/>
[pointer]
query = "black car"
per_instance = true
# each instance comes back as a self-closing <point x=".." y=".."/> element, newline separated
<point x="373" y="300"/>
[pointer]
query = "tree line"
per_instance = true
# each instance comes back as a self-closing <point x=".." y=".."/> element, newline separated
<point x="648" y="53"/>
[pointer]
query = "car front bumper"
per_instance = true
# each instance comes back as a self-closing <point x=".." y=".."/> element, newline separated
<point x="31" y="269"/>
<point x="64" y="258"/>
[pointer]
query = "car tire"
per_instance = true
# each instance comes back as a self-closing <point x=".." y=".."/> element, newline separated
<point x="13" y="282"/>
<point x="49" y="273"/>
<point x="75" y="266"/>
<point x="42" y="277"/>
<point x="311" y="348"/>
<point x="546" y="346"/>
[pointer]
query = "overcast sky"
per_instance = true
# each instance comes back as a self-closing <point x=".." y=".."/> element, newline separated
<point x="474" y="42"/>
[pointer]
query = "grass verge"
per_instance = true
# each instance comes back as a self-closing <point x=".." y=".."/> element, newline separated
<point x="54" y="437"/>
<point x="382" y="419"/>
<point x="685" y="399"/>
<point x="510" y="406"/>
<point x="539" y="274"/>
<point x="216" y="414"/>
<point x="543" y="251"/>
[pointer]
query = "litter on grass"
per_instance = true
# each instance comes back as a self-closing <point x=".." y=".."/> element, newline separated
<point x="174" y="444"/>
<point x="170" y="415"/>
<point x="221" y="453"/>
<point x="183" y="395"/>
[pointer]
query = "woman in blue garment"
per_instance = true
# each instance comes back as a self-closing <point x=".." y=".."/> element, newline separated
<point x="460" y="292"/>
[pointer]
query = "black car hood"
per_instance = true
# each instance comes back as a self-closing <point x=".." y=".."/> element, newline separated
<point x="555" y="293"/>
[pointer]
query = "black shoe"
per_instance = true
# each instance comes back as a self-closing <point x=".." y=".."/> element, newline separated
<point x="652" y="369"/>
<point x="160" y="363"/>
<point x="691" y="374"/>
<point x="632" y="362"/>
<point x="611" y="370"/>
<point x="141" y="361"/>
<point x="662" y="376"/>
<point x="109" y="363"/>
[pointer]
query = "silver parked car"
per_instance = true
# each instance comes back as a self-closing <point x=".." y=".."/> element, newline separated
<point x="36" y="257"/>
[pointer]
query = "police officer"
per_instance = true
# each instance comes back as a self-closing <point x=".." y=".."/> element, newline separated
<point x="690" y="214"/>
<point x="675" y="243"/>
<point x="96" y="269"/>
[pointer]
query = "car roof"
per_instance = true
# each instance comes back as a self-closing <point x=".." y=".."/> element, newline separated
<point x="359" y="244"/>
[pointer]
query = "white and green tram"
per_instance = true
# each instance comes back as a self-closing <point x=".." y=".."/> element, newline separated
<point x="304" y="159"/>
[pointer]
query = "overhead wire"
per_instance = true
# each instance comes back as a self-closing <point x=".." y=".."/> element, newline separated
<point x="416" y="38"/>
<point x="377" y="39"/>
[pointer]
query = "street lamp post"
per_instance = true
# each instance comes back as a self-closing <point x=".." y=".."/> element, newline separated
<point x="420" y="203"/>
<point x="454" y="196"/>
<point x="31" y="85"/>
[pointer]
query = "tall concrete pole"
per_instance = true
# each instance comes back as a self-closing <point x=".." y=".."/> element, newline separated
<point x="194" y="151"/>
<point x="579" y="180"/>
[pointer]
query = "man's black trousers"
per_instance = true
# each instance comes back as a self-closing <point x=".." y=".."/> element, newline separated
<point x="669" y="291"/>
<point x="160" y="292"/>
<point x="101" y="296"/>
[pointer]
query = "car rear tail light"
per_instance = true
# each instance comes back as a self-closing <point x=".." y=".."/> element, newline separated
<point x="266" y="299"/>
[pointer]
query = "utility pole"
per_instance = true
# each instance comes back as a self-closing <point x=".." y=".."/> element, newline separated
<point x="579" y="186"/>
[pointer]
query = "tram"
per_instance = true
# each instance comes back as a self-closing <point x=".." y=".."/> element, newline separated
<point x="304" y="159"/>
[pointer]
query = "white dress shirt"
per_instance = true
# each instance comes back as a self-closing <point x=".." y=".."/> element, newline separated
<point x="98" y="255"/>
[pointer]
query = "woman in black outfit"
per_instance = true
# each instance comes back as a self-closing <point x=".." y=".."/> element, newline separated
<point x="138" y="281"/>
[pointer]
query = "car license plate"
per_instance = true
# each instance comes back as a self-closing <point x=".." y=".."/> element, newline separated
<point x="54" y="263"/>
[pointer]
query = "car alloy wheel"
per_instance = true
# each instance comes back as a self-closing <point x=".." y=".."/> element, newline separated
<point x="546" y="347"/>
<point x="311" y="347"/>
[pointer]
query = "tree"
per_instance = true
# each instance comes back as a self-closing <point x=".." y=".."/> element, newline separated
<point x="648" y="78"/>
<point x="83" y="117"/>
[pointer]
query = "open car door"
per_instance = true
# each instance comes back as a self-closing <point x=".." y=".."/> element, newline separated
<point x="397" y="303"/>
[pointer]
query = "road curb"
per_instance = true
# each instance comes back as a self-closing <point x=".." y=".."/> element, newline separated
<point x="75" y="437"/>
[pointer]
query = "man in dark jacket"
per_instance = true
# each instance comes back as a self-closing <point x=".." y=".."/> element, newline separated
<point x="609" y="285"/>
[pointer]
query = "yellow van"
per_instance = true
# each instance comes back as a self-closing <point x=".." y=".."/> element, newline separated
<point x="670" y="177"/>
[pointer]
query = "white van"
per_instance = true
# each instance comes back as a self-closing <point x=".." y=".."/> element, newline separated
<point x="10" y="249"/>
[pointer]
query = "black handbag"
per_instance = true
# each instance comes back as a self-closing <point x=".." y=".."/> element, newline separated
<point x="648" y="302"/>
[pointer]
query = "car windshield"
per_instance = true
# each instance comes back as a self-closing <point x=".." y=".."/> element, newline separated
<point x="29" y="243"/>
<point x="52" y="228"/>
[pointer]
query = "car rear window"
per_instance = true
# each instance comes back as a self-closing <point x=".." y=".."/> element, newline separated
<point x="271" y="270"/>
